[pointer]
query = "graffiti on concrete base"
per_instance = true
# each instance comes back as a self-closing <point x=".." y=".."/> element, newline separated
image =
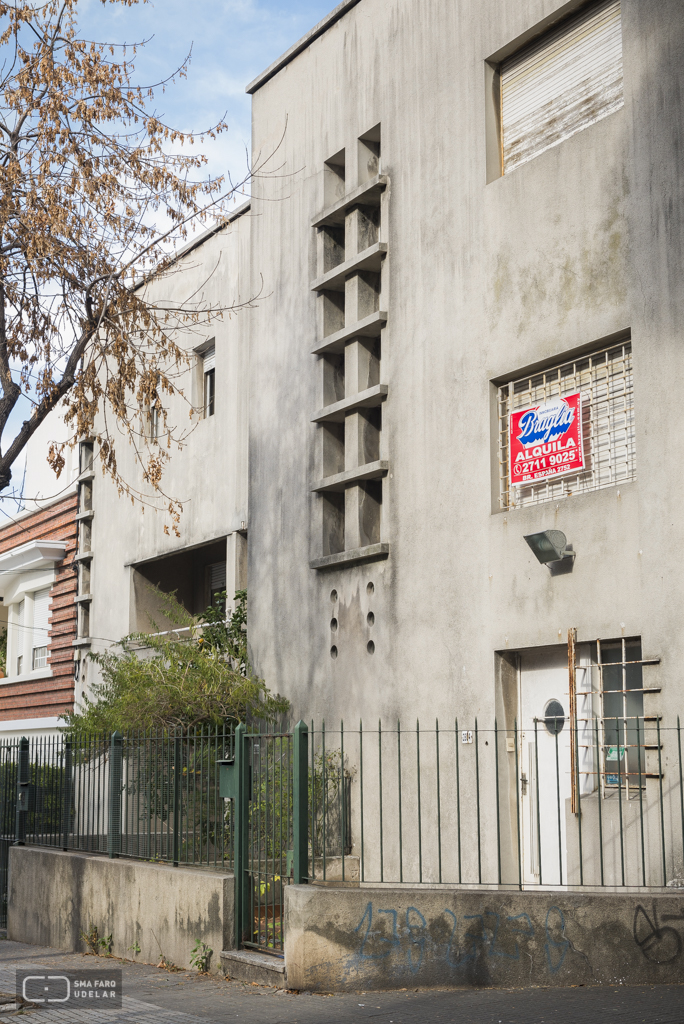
<point x="660" y="943"/>
<point x="407" y="936"/>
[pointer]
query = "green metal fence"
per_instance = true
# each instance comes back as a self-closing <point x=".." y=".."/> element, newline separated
<point x="8" y="802"/>
<point x="538" y="804"/>
<point x="152" y="796"/>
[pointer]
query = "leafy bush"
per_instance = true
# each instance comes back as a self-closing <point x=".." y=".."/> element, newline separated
<point x="196" y="676"/>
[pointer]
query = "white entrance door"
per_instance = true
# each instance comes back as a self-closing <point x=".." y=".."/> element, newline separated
<point x="544" y="764"/>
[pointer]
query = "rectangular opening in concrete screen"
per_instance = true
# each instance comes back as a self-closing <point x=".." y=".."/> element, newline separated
<point x="567" y="429"/>
<point x="195" y="576"/>
<point x="560" y="83"/>
<point x="351" y="254"/>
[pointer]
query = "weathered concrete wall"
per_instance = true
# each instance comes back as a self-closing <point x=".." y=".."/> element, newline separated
<point x="351" y="939"/>
<point x="209" y="474"/>
<point x="54" y="896"/>
<point x="579" y="244"/>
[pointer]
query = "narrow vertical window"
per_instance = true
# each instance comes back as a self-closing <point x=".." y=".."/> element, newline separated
<point x="39" y="646"/>
<point x="209" y="362"/>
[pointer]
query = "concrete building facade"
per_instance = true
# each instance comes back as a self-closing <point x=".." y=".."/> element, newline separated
<point x="478" y="212"/>
<point x="466" y="241"/>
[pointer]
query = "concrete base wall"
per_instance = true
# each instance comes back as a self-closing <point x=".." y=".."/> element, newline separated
<point x="53" y="897"/>
<point x="356" y="939"/>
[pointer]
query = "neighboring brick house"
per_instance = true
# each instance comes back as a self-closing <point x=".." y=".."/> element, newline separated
<point x="38" y="584"/>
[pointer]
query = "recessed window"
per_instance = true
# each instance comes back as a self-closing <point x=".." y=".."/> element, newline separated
<point x="154" y="422"/>
<point x="41" y="611"/>
<point x="564" y="81"/>
<point x="568" y="429"/>
<point x="208" y="370"/>
<point x="39" y="657"/>
<point x="622" y="698"/>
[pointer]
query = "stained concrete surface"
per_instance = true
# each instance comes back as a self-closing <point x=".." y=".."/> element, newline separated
<point x="156" y="906"/>
<point x="152" y="995"/>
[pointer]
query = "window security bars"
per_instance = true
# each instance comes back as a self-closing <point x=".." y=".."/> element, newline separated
<point x="604" y="379"/>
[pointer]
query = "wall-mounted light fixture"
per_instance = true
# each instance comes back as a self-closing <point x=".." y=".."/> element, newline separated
<point x="549" y="546"/>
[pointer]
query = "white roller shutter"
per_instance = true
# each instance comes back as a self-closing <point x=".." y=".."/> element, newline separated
<point x="41" y="610"/>
<point x="209" y="359"/>
<point x="217" y="576"/>
<point x="561" y="83"/>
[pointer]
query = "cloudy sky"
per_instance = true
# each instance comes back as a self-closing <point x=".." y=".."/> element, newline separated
<point x="231" y="40"/>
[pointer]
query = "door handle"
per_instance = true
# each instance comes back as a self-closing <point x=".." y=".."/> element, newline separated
<point x="523" y="783"/>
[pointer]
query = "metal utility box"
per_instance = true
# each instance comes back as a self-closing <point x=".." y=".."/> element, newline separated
<point x="228" y="779"/>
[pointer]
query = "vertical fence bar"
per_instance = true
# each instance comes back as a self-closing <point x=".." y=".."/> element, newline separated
<point x="439" y="804"/>
<point x="401" y="852"/>
<point x="579" y="802"/>
<point x="300" y="805"/>
<point x="517" y="801"/>
<point x="536" y="781"/>
<point x="558" y="811"/>
<point x="177" y="779"/>
<point x="681" y="780"/>
<point x="600" y="799"/>
<point x="325" y="801"/>
<point x="477" y="793"/>
<point x="363" y="871"/>
<point x="382" y="862"/>
<point x="420" y="828"/>
<point x="241" y="816"/>
<point x="498" y="816"/>
<point x="313" y="801"/>
<point x="458" y="801"/>
<point x="23" y="784"/>
<point x="662" y="810"/>
<point x="343" y="797"/>
<point x="619" y="762"/>
<point x="641" y="805"/>
<point x="115" y="786"/>
<point x="66" y="795"/>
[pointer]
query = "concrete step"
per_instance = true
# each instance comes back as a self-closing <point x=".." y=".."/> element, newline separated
<point x="249" y="965"/>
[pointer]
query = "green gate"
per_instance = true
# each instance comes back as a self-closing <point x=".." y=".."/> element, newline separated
<point x="267" y="780"/>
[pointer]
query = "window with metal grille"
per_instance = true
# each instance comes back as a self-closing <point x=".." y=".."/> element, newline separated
<point x="562" y="82"/>
<point x="611" y="719"/>
<point x="604" y="380"/>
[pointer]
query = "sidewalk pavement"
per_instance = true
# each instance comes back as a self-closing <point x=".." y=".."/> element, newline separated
<point x="155" y="996"/>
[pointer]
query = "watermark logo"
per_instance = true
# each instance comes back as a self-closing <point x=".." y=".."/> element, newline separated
<point x="49" y="988"/>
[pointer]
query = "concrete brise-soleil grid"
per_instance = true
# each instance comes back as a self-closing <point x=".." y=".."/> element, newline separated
<point x="604" y="379"/>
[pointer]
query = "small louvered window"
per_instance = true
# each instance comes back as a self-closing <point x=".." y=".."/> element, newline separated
<point x="561" y="83"/>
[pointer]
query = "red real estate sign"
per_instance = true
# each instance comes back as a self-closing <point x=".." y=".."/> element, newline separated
<point x="546" y="440"/>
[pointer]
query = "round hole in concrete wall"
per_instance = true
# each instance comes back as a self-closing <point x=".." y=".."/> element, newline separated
<point x="370" y="589"/>
<point x="370" y="647"/>
<point x="370" y="618"/>
<point x="333" y="596"/>
<point x="333" y="651"/>
<point x="333" y="625"/>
